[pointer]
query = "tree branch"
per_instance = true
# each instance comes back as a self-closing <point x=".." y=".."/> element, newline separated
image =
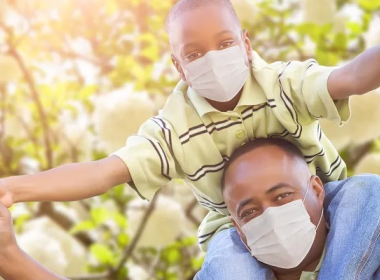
<point x="47" y="209"/>
<point x="35" y="96"/>
<point x="129" y="249"/>
<point x="189" y="212"/>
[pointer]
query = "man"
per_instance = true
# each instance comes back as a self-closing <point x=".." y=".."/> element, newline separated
<point x="228" y="96"/>
<point x="276" y="205"/>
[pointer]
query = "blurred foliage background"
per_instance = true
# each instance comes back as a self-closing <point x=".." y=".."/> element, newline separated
<point x="77" y="77"/>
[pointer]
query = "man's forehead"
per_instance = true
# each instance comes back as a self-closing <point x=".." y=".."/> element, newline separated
<point x="262" y="168"/>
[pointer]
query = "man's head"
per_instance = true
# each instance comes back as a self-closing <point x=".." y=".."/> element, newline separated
<point x="267" y="173"/>
<point x="196" y="27"/>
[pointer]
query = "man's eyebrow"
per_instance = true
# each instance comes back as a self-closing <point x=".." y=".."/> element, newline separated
<point x="278" y="186"/>
<point x="243" y="203"/>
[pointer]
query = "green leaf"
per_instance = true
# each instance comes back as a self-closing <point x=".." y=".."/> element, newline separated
<point x="120" y="219"/>
<point x="370" y="5"/>
<point x="173" y="256"/>
<point x="102" y="253"/>
<point x="123" y="239"/>
<point x="83" y="226"/>
<point x="100" y="215"/>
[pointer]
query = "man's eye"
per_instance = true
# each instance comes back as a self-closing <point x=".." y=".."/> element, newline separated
<point x="226" y="44"/>
<point x="247" y="213"/>
<point x="284" y="196"/>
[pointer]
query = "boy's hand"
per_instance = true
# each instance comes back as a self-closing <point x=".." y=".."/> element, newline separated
<point x="6" y="197"/>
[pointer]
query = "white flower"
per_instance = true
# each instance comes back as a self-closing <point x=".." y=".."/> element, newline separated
<point x="16" y="126"/>
<point x="136" y="272"/>
<point x="76" y="136"/>
<point x="370" y="163"/>
<point x="348" y="13"/>
<point x="362" y="126"/>
<point x="372" y="37"/>
<point x="19" y="209"/>
<point x="9" y="70"/>
<point x="120" y="114"/>
<point x="319" y="12"/>
<point x="181" y="192"/>
<point x="53" y="247"/>
<point x="164" y="225"/>
<point x="29" y="165"/>
<point x="335" y="134"/>
<point x="246" y="10"/>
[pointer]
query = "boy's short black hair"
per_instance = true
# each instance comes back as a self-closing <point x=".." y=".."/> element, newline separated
<point x="188" y="5"/>
<point x="292" y="150"/>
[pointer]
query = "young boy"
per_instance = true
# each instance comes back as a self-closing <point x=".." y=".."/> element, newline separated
<point x="228" y="96"/>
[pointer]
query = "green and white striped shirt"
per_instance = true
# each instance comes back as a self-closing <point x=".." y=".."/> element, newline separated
<point x="191" y="140"/>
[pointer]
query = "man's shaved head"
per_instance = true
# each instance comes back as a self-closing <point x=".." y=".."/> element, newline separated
<point x="184" y="6"/>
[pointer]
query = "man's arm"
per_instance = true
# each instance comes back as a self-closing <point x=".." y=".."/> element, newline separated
<point x="14" y="263"/>
<point x="66" y="183"/>
<point x="359" y="76"/>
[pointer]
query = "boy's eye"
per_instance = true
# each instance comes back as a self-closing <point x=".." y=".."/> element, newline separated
<point x="226" y="44"/>
<point x="193" y="56"/>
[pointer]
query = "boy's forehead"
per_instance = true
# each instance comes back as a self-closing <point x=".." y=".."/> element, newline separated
<point x="198" y="25"/>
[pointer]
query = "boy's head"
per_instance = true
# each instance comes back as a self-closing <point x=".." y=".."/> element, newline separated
<point x="197" y="27"/>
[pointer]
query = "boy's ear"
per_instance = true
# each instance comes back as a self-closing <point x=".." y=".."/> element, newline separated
<point x="247" y="44"/>
<point x="177" y="65"/>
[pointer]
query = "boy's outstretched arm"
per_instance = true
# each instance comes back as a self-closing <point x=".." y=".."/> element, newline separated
<point x="359" y="76"/>
<point x="65" y="183"/>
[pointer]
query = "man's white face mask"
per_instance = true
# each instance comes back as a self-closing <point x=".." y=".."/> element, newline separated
<point x="282" y="236"/>
<point x="218" y="75"/>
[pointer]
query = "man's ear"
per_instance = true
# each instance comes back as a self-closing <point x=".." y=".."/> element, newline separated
<point x="177" y="66"/>
<point x="247" y="44"/>
<point x="318" y="189"/>
<point x="242" y="236"/>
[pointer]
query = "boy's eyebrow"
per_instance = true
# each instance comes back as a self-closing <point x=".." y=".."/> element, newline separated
<point x="189" y="45"/>
<point x="226" y="31"/>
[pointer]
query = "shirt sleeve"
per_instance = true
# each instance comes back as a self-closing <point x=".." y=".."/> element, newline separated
<point x="150" y="157"/>
<point x="305" y="85"/>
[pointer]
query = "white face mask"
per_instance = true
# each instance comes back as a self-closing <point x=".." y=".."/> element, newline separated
<point x="282" y="236"/>
<point x="219" y="75"/>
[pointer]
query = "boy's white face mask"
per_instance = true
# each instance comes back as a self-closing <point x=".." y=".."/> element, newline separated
<point x="282" y="236"/>
<point x="219" y="75"/>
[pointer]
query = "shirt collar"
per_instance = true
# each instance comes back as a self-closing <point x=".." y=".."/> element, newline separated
<point x="252" y="94"/>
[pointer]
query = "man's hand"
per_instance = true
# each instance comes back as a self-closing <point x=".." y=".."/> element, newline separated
<point x="7" y="237"/>
<point x="6" y="197"/>
<point x="14" y="263"/>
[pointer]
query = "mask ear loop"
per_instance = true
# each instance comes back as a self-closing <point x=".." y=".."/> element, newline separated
<point x="245" y="245"/>
<point x="320" y="218"/>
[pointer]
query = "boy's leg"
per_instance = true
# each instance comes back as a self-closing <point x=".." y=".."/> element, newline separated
<point x="227" y="258"/>
<point x="352" y="208"/>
